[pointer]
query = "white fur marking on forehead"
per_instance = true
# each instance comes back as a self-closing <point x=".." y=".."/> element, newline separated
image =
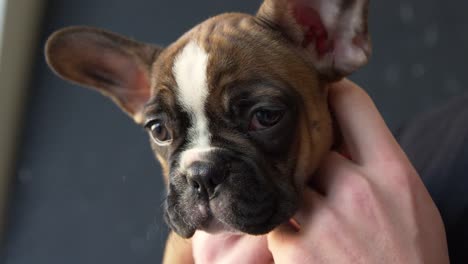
<point x="189" y="70"/>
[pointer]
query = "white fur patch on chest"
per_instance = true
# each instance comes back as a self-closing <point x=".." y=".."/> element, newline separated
<point x="190" y="70"/>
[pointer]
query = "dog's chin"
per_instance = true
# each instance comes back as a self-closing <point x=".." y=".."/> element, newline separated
<point x="214" y="226"/>
<point x="216" y="223"/>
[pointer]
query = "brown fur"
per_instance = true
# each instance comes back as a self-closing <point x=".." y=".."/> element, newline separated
<point x="255" y="50"/>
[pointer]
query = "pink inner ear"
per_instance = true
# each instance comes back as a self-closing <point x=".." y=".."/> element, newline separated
<point x="315" y="31"/>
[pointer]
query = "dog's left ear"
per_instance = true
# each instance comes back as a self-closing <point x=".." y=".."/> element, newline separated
<point x="333" y="31"/>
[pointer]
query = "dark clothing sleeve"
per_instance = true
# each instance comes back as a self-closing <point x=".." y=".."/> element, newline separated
<point x="437" y="145"/>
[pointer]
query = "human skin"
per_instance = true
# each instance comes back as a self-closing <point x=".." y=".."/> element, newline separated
<point x="369" y="208"/>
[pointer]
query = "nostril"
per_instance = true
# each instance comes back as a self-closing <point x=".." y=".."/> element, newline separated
<point x="211" y="183"/>
<point x="204" y="177"/>
<point x="196" y="186"/>
<point x="215" y="179"/>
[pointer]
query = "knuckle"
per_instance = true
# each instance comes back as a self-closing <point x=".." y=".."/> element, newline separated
<point x="401" y="175"/>
<point x="358" y="185"/>
<point x="330" y="226"/>
<point x="329" y="220"/>
<point x="359" y="193"/>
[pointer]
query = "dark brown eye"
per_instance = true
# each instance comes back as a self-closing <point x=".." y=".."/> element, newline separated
<point x="264" y="118"/>
<point x="159" y="132"/>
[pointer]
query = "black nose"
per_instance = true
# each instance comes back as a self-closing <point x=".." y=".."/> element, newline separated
<point x="205" y="176"/>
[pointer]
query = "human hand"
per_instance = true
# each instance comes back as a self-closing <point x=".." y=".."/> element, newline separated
<point x="373" y="208"/>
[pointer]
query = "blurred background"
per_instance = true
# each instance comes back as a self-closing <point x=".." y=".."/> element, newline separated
<point x="78" y="182"/>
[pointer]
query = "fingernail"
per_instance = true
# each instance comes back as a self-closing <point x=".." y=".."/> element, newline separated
<point x="294" y="224"/>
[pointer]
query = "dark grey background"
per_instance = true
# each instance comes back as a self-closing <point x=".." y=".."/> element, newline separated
<point x="88" y="189"/>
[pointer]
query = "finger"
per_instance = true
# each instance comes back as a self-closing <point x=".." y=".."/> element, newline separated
<point x="335" y="168"/>
<point x="311" y="202"/>
<point x="364" y="131"/>
<point x="311" y="205"/>
<point x="285" y="230"/>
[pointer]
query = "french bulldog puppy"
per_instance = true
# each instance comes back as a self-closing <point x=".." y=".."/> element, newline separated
<point x="236" y="109"/>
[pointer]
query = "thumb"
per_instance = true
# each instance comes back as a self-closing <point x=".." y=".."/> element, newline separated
<point x="297" y="225"/>
<point x="281" y="236"/>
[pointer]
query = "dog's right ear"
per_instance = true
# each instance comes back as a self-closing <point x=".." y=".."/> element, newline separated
<point x="116" y="66"/>
<point x="333" y="32"/>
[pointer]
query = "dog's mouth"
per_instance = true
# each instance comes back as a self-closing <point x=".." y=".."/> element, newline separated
<point x="237" y="208"/>
<point x="213" y="224"/>
<point x="224" y="217"/>
<point x="208" y="220"/>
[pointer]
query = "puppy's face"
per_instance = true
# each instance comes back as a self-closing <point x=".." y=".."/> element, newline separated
<point x="231" y="100"/>
<point x="236" y="109"/>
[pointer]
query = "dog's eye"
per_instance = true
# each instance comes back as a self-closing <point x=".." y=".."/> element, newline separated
<point x="159" y="132"/>
<point x="264" y="118"/>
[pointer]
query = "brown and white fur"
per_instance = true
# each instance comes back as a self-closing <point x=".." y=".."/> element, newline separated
<point x="236" y="110"/>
